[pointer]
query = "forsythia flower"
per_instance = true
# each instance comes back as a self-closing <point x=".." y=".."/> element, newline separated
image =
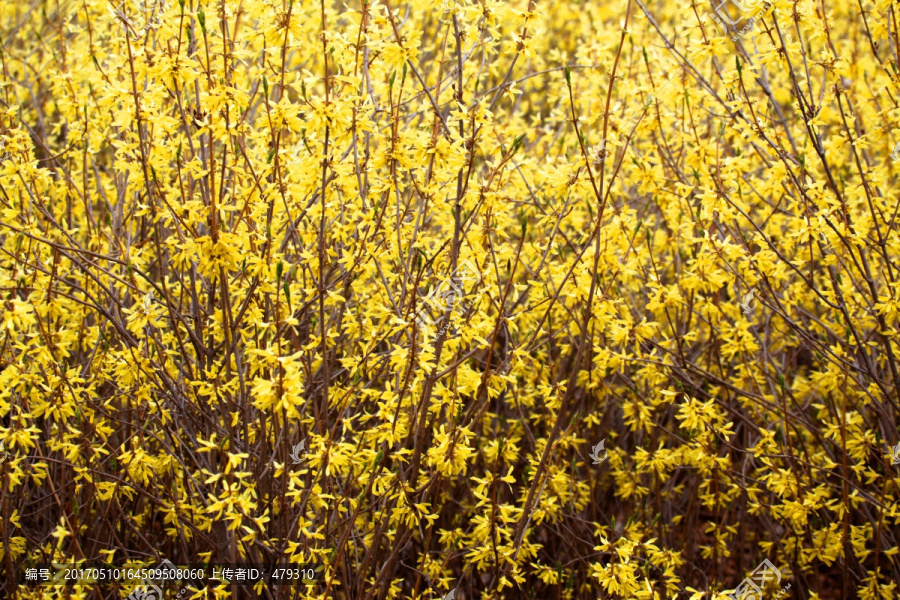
<point x="452" y="298"/>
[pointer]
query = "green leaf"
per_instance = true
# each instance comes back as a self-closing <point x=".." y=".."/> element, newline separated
<point x="517" y="143"/>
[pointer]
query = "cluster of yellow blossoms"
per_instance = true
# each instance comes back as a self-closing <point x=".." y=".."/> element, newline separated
<point x="446" y="249"/>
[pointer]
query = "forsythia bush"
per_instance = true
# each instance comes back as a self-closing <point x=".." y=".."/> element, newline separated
<point x="364" y="285"/>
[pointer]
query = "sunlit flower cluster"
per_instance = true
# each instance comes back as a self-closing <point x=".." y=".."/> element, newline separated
<point x="450" y="247"/>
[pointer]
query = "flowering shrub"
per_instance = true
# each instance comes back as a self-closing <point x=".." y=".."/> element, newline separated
<point x="446" y="248"/>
